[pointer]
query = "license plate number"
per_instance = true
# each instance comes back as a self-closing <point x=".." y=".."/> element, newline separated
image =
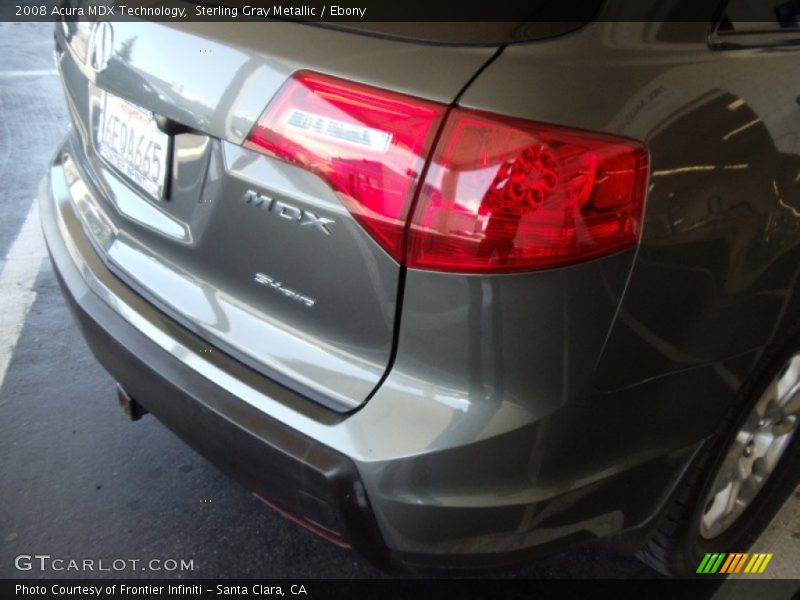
<point x="128" y="138"/>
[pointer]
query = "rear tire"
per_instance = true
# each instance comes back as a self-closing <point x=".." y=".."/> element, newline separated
<point x="696" y="522"/>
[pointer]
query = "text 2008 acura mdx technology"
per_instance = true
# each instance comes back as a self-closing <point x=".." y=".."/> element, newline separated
<point x="451" y="295"/>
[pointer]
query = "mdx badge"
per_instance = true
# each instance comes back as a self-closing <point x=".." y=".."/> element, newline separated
<point x="286" y="211"/>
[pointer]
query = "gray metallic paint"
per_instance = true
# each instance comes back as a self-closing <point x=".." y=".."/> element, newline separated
<point x="718" y="261"/>
<point x="335" y="351"/>
<point x="519" y="409"/>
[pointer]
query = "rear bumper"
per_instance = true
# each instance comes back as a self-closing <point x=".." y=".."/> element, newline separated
<point x="400" y="480"/>
<point x="285" y="468"/>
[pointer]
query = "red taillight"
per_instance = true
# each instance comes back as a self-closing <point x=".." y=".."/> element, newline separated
<point x="506" y="195"/>
<point x="368" y="144"/>
<point x="500" y="195"/>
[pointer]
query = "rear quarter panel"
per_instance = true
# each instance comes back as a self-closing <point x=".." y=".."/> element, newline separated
<point x="715" y="275"/>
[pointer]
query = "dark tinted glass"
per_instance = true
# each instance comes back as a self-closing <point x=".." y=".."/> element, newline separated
<point x="760" y="15"/>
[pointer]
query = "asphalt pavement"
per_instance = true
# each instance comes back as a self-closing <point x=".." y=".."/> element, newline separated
<point x="79" y="481"/>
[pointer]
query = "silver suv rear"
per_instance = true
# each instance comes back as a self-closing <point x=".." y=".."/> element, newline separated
<point x="452" y="303"/>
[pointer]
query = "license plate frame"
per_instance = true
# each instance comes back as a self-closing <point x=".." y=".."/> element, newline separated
<point x="127" y="138"/>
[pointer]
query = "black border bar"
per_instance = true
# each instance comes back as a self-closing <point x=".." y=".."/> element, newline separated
<point x="418" y="589"/>
<point x="363" y="11"/>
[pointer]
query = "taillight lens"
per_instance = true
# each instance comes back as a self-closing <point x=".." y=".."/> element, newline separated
<point x="500" y="195"/>
<point x="370" y="145"/>
<point x="504" y="195"/>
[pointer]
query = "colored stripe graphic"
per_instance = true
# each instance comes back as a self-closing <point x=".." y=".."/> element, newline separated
<point x="711" y="563"/>
<point x="764" y="564"/>
<point x="733" y="563"/>
<point x="718" y="563"/>
<point x="729" y="563"/>
<point x="740" y="564"/>
<point x="758" y="563"/>
<point x="703" y="563"/>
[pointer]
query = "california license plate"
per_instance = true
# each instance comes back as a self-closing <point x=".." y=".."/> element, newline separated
<point x="129" y="139"/>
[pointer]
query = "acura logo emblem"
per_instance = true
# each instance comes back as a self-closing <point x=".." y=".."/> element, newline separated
<point x="101" y="42"/>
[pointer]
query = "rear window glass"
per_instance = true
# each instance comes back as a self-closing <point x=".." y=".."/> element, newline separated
<point x="743" y="16"/>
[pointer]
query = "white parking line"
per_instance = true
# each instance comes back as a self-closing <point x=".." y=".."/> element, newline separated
<point x="17" y="279"/>
<point x="29" y="73"/>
